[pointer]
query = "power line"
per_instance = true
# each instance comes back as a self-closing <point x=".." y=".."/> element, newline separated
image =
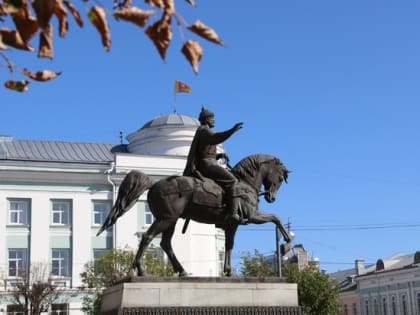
<point x="345" y="227"/>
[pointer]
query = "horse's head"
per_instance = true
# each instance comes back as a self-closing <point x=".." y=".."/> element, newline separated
<point x="262" y="169"/>
<point x="275" y="174"/>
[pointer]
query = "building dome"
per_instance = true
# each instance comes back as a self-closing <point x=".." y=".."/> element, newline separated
<point x="170" y="134"/>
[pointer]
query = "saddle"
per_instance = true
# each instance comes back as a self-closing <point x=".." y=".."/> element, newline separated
<point x="205" y="191"/>
<point x="208" y="193"/>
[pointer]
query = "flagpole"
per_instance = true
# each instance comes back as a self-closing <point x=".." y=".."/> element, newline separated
<point x="178" y="88"/>
<point x="174" y="101"/>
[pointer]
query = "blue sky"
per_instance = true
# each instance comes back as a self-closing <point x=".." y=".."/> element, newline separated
<point x="331" y="87"/>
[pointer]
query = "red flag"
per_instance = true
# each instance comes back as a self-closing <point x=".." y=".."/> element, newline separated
<point x="181" y="87"/>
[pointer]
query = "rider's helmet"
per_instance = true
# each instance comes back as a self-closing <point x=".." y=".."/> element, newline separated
<point x="204" y="114"/>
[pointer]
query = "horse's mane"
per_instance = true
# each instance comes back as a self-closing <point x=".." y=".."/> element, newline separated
<point x="249" y="165"/>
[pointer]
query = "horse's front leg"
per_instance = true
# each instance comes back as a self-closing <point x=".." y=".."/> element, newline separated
<point x="262" y="217"/>
<point x="230" y="232"/>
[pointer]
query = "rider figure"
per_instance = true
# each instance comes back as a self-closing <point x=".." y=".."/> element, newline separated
<point x="202" y="159"/>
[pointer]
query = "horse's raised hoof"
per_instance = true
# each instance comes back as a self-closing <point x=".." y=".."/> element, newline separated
<point x="284" y="248"/>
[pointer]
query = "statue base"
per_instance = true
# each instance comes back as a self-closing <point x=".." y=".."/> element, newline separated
<point x="197" y="295"/>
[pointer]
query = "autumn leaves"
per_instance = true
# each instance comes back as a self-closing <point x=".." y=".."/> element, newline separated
<point x="158" y="31"/>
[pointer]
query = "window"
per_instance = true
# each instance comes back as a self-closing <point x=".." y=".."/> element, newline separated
<point x="346" y="311"/>
<point x="375" y="307"/>
<point x="393" y="306"/>
<point x="59" y="309"/>
<point x="18" y="212"/>
<point x="148" y="216"/>
<point x="99" y="252"/>
<point x="60" y="262"/>
<point x="61" y="212"/>
<point x="354" y="309"/>
<point x="418" y="303"/>
<point x="404" y="305"/>
<point x="100" y="211"/>
<point x="366" y="307"/>
<point x="384" y="306"/>
<point x="15" y="309"/>
<point x="17" y="262"/>
<point x="96" y="254"/>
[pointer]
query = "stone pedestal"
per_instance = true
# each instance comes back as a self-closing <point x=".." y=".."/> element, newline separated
<point x="197" y="295"/>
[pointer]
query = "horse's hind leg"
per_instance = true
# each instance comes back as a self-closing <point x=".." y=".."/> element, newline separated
<point x="166" y="245"/>
<point x="157" y="227"/>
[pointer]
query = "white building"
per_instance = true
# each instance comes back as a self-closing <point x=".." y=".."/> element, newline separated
<point x="389" y="287"/>
<point x="55" y="195"/>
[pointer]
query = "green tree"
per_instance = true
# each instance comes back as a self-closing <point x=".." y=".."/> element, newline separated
<point x="256" y="265"/>
<point x="317" y="293"/>
<point x="112" y="267"/>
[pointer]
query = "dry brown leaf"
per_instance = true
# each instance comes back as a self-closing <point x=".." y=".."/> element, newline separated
<point x="193" y="52"/>
<point x="2" y="9"/>
<point x="18" y="6"/>
<point x="97" y="16"/>
<point x="26" y="25"/>
<point x="45" y="49"/>
<point x="167" y="5"/>
<point x="19" y="86"/>
<point x="44" y="10"/>
<point x="13" y="38"/>
<point x="192" y="2"/>
<point x="74" y="12"/>
<point x="8" y="7"/>
<point x="160" y="33"/>
<point x="61" y="13"/>
<point x="43" y="75"/>
<point x="155" y="3"/>
<point x="125" y="3"/>
<point x="204" y="31"/>
<point x="134" y="15"/>
<point x="2" y="45"/>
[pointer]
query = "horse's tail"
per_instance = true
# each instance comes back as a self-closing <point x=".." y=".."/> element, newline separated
<point x="133" y="185"/>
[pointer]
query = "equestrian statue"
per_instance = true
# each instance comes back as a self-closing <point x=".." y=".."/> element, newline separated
<point x="208" y="192"/>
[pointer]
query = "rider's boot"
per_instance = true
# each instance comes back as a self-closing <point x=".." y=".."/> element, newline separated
<point x="232" y="206"/>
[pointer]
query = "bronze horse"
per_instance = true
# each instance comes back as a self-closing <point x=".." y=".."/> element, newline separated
<point x="186" y="197"/>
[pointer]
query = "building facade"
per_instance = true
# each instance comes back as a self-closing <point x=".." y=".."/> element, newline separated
<point x="389" y="287"/>
<point x="55" y="195"/>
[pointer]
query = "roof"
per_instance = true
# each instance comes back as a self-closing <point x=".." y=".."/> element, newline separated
<point x="345" y="279"/>
<point x="169" y="134"/>
<point x="57" y="151"/>
<point x="396" y="262"/>
<point x="171" y="120"/>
